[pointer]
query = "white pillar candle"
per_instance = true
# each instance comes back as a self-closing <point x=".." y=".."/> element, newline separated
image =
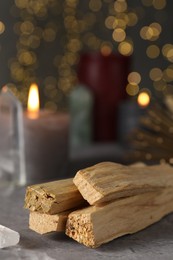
<point x="46" y="146"/>
<point x="34" y="143"/>
<point x="45" y="141"/>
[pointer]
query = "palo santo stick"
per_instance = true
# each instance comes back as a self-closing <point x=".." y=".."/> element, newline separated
<point x="108" y="181"/>
<point x="53" y="197"/>
<point x="43" y="223"/>
<point x="96" y="225"/>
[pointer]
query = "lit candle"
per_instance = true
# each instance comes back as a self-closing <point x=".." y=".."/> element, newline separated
<point x="33" y="102"/>
<point x="130" y="112"/>
<point x="45" y="140"/>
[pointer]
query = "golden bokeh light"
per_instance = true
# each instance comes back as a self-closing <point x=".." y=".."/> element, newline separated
<point x="106" y="49"/>
<point x="156" y="31"/>
<point x="27" y="27"/>
<point x="146" y="33"/>
<point x="143" y="99"/>
<point x="132" y="89"/>
<point x="167" y="51"/>
<point x="134" y="78"/>
<point x="132" y="19"/>
<point x="125" y="48"/>
<point x="109" y="22"/>
<point x="120" y="6"/>
<point x="153" y="51"/>
<point x="119" y="35"/>
<point x="160" y="85"/>
<point x="119" y="23"/>
<point x="2" y="27"/>
<point x="159" y="4"/>
<point x="26" y="57"/>
<point x="74" y="45"/>
<point x="170" y="55"/>
<point x="151" y="32"/>
<point x="168" y="74"/>
<point x="157" y="26"/>
<point x="166" y="48"/>
<point x="92" y="26"/>
<point x="155" y="74"/>
<point x="95" y="5"/>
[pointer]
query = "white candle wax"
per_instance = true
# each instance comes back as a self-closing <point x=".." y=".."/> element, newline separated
<point x="45" y="145"/>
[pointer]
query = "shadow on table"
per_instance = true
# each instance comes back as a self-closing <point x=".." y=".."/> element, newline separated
<point x="158" y="234"/>
<point x="32" y="242"/>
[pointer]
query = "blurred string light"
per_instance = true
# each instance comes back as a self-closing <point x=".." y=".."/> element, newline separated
<point x="126" y="16"/>
<point x="68" y="27"/>
<point x="72" y="26"/>
<point x="119" y="20"/>
<point x="132" y="87"/>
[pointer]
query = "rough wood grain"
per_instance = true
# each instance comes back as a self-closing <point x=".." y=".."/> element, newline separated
<point x="44" y="223"/>
<point x="96" y="225"/>
<point x="108" y="181"/>
<point x="53" y="197"/>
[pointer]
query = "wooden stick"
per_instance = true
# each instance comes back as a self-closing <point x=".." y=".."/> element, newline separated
<point x="43" y="223"/>
<point x="96" y="225"/>
<point x="109" y="181"/>
<point x="53" y="197"/>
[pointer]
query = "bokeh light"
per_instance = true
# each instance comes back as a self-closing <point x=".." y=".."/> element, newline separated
<point x="67" y="28"/>
<point x="156" y="74"/>
<point x="132" y="89"/>
<point x="168" y="74"/>
<point x="119" y="35"/>
<point x="95" y="5"/>
<point x="106" y="48"/>
<point x="125" y="48"/>
<point x="159" y="4"/>
<point x="120" y="6"/>
<point x="167" y="52"/>
<point x="153" y="51"/>
<point x="143" y="99"/>
<point x="151" y="32"/>
<point x="132" y="19"/>
<point x="2" y="27"/>
<point x="134" y="78"/>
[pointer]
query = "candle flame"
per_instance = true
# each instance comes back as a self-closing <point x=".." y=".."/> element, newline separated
<point x="33" y="101"/>
<point x="143" y="99"/>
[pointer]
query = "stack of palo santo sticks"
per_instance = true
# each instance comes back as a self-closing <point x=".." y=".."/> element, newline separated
<point x="102" y="202"/>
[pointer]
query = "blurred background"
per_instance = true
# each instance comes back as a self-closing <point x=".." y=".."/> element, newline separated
<point x="42" y="41"/>
<point x="107" y="62"/>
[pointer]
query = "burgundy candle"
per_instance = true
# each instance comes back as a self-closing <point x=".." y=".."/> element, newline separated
<point x="106" y="76"/>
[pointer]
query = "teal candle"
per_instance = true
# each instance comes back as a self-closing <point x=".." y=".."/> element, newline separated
<point x="81" y="105"/>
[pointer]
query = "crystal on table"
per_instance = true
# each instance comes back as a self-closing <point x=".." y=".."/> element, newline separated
<point x="8" y="237"/>
<point x="12" y="163"/>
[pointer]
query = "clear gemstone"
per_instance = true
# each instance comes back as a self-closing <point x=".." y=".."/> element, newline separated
<point x="8" y="237"/>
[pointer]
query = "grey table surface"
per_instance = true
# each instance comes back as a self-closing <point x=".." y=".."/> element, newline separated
<point x="155" y="242"/>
